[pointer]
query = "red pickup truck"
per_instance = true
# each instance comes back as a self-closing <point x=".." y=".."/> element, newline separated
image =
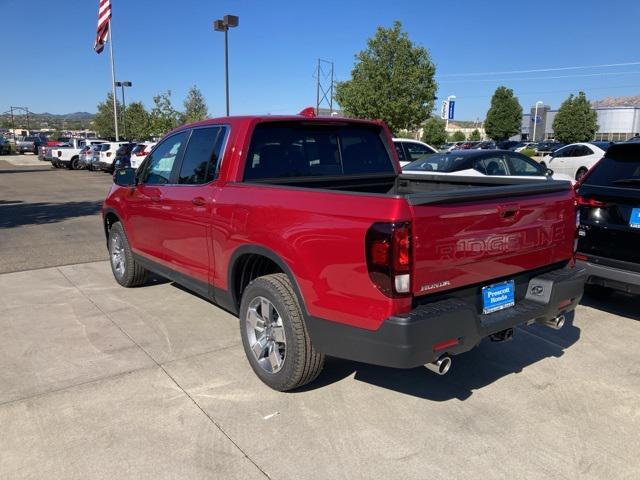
<point x="307" y="230"/>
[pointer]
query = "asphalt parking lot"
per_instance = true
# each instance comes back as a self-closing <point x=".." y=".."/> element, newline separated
<point x="98" y="381"/>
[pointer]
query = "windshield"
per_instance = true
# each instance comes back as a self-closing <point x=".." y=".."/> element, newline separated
<point x="618" y="169"/>
<point x="444" y="162"/>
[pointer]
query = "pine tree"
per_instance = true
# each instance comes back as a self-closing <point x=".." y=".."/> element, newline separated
<point x="504" y="117"/>
<point x="195" y="107"/>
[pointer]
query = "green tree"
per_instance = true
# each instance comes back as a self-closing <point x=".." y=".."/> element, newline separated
<point x="433" y="132"/>
<point x="103" y="121"/>
<point x="575" y="121"/>
<point x="504" y="117"/>
<point x="195" y="107"/>
<point x="475" y="136"/>
<point x="392" y="80"/>
<point x="457" y="136"/>
<point x="163" y="116"/>
<point x="138" y="121"/>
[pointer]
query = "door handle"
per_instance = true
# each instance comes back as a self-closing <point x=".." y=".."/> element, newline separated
<point x="508" y="211"/>
<point x="155" y="198"/>
<point x="198" y="201"/>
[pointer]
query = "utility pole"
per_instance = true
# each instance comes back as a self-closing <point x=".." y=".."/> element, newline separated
<point x="535" y="118"/>
<point x="324" y="85"/>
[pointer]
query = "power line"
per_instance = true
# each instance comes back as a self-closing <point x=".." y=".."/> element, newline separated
<point x="542" y="92"/>
<point x="538" y="70"/>
<point x="554" y="77"/>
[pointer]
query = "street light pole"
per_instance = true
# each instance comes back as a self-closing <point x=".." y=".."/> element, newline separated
<point x="535" y="119"/>
<point x="228" y="21"/>
<point x="124" y="107"/>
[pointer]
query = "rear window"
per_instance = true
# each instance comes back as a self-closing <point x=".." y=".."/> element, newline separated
<point x="440" y="162"/>
<point x="291" y="150"/>
<point x="619" y="168"/>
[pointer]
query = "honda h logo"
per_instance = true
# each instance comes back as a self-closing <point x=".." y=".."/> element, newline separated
<point x="537" y="290"/>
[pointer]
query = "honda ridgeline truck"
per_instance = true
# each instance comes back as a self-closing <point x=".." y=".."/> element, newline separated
<point x="307" y="230"/>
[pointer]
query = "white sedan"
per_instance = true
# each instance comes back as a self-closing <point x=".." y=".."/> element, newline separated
<point x="482" y="163"/>
<point x="410" y="150"/>
<point x="575" y="159"/>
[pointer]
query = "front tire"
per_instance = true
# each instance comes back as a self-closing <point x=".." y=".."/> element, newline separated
<point x="126" y="270"/>
<point x="274" y="335"/>
<point x="75" y="163"/>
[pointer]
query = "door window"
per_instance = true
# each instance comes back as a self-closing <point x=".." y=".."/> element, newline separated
<point x="522" y="165"/>
<point x="563" y="152"/>
<point x="581" y="151"/>
<point x="416" y="151"/>
<point x="160" y="162"/>
<point x="400" y="151"/>
<point x="491" y="166"/>
<point x="201" y="157"/>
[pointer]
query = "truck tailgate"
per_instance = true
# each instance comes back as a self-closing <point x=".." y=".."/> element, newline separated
<point x="476" y="241"/>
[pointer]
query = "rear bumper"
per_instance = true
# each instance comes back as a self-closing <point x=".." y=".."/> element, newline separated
<point x="407" y="341"/>
<point x="610" y="273"/>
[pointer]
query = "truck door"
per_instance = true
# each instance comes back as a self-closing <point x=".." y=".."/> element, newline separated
<point x="188" y="205"/>
<point x="149" y="219"/>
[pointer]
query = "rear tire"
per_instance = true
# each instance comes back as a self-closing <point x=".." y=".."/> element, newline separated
<point x="276" y="341"/>
<point x="126" y="270"/>
<point x="580" y="173"/>
<point x="75" y="163"/>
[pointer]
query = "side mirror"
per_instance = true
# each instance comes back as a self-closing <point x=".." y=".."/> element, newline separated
<point x="549" y="172"/>
<point x="125" y="177"/>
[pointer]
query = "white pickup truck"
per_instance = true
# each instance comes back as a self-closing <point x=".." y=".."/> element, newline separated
<point x="69" y="156"/>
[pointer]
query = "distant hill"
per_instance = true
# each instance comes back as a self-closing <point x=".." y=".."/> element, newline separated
<point x="631" y="101"/>
<point x="50" y="120"/>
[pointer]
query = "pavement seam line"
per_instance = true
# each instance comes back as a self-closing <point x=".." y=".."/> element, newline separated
<point x="107" y="315"/>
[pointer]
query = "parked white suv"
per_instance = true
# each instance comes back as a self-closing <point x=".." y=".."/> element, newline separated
<point x="411" y="150"/>
<point x="139" y="153"/>
<point x="104" y="156"/>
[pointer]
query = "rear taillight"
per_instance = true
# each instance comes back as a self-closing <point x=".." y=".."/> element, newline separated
<point x="108" y="154"/>
<point x="140" y="153"/>
<point x="590" y="202"/>
<point x="388" y="249"/>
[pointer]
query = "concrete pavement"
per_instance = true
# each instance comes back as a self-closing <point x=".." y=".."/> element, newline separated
<point x="97" y="381"/>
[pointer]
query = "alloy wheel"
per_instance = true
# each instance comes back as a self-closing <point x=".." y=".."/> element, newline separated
<point x="266" y="335"/>
<point x="118" y="259"/>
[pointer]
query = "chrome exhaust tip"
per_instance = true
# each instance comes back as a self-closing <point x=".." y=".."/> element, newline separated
<point x="555" y="323"/>
<point x="440" y="366"/>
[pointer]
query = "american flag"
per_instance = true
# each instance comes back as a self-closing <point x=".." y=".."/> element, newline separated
<point x="104" y="20"/>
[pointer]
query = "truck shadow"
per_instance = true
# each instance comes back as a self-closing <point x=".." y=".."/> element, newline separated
<point x="617" y="303"/>
<point x="470" y="371"/>
<point x="15" y="214"/>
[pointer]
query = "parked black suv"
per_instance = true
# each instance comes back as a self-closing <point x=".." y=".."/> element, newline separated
<point x="609" y="233"/>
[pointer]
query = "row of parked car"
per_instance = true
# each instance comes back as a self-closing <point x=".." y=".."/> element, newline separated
<point x="95" y="154"/>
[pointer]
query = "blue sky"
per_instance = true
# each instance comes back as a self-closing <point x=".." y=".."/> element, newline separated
<point x="49" y="65"/>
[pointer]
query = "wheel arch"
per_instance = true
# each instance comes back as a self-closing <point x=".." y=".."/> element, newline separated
<point x="249" y="262"/>
<point x="108" y="219"/>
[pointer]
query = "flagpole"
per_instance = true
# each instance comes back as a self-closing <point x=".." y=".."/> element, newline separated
<point x="113" y="86"/>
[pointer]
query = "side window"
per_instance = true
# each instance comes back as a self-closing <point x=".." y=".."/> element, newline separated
<point x="416" y="151"/>
<point x="160" y="163"/>
<point x="201" y="156"/>
<point x="563" y="152"/>
<point x="521" y="165"/>
<point x="400" y="152"/>
<point x="492" y="166"/>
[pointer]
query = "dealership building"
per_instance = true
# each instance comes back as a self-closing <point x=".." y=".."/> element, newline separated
<point x="614" y="123"/>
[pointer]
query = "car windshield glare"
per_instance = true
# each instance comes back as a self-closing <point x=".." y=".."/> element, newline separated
<point x="436" y="163"/>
